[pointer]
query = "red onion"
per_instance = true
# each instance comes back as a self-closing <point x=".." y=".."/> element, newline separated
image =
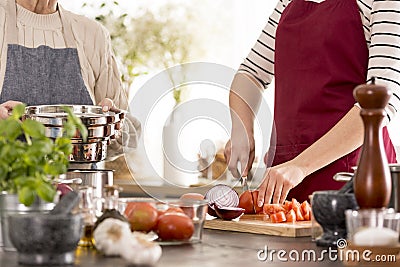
<point x="228" y="213"/>
<point x="221" y="195"/>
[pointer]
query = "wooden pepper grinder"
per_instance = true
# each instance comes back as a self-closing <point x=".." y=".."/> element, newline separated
<point x="372" y="181"/>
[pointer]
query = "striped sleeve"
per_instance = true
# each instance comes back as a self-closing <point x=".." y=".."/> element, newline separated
<point x="384" y="49"/>
<point x="260" y="61"/>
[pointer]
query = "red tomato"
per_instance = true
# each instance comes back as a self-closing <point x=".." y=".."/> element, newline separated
<point x="270" y="209"/>
<point x="257" y="209"/>
<point x="278" y="217"/>
<point x="142" y="216"/>
<point x="175" y="226"/>
<point x="246" y="202"/>
<point x="291" y="216"/>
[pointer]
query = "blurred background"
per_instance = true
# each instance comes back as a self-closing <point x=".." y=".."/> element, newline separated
<point x="150" y="36"/>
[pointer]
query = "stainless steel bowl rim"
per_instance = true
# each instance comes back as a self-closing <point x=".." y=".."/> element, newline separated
<point x="90" y="115"/>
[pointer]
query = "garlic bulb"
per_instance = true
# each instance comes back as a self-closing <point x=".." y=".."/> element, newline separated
<point x="141" y="251"/>
<point x="111" y="236"/>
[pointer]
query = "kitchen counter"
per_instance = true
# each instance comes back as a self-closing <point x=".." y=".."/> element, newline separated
<point x="218" y="248"/>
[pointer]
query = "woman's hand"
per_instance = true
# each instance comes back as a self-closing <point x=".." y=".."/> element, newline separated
<point x="6" y="108"/>
<point x="108" y="105"/>
<point x="238" y="150"/>
<point x="278" y="181"/>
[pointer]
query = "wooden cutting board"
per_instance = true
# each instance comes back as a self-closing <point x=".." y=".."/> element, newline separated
<point x="260" y="224"/>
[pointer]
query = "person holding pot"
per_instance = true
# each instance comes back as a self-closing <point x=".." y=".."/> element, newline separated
<point x="318" y="51"/>
<point x="49" y="55"/>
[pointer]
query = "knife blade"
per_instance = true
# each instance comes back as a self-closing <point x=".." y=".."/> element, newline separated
<point x="243" y="179"/>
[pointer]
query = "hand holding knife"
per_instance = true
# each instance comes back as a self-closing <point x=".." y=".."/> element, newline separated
<point x="243" y="179"/>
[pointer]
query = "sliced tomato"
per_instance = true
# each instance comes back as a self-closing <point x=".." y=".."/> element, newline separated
<point x="291" y="216"/>
<point x="287" y="205"/>
<point x="299" y="214"/>
<point x="270" y="209"/>
<point x="306" y="210"/>
<point x="278" y="217"/>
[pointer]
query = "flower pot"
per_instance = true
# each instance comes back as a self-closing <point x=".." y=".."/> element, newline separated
<point x="9" y="204"/>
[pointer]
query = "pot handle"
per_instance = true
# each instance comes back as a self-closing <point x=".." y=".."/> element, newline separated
<point x="343" y="176"/>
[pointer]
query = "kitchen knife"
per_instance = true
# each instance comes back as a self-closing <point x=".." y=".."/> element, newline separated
<point x="243" y="179"/>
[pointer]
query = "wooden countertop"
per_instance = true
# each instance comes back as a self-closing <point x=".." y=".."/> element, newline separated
<point x="218" y="248"/>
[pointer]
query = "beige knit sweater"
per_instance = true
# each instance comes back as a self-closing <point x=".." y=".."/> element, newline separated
<point x="98" y="66"/>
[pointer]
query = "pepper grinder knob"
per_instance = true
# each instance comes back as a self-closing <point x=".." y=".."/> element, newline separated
<point x="372" y="181"/>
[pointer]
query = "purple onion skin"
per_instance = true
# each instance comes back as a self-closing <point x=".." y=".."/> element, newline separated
<point x="213" y="202"/>
<point x="211" y="210"/>
<point x="228" y="213"/>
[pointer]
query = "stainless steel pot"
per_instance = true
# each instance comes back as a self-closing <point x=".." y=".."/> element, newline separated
<point x="395" y="175"/>
<point x="89" y="152"/>
<point x="94" y="178"/>
<point x="97" y="131"/>
<point x="55" y="115"/>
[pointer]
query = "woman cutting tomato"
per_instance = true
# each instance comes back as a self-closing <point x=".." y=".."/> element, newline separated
<point x="318" y="51"/>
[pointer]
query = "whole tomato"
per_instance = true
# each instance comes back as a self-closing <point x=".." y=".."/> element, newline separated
<point x="142" y="216"/>
<point x="248" y="201"/>
<point x="175" y="226"/>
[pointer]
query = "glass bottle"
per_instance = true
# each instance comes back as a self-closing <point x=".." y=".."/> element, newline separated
<point x="86" y="208"/>
<point x="111" y="197"/>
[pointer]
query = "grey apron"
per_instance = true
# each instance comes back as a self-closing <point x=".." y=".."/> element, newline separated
<point x="42" y="75"/>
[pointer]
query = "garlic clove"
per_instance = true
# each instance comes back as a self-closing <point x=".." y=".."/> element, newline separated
<point x="141" y="251"/>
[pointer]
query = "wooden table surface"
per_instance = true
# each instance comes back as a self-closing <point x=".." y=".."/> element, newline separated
<point x="218" y="248"/>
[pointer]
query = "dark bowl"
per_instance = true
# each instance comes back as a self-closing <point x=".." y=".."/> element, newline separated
<point x="328" y="209"/>
<point x="44" y="239"/>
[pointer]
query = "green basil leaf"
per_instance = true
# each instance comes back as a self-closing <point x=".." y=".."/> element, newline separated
<point x="41" y="148"/>
<point x="64" y="145"/>
<point x="24" y="181"/>
<point x="55" y="168"/>
<point x="18" y="111"/>
<point x="13" y="129"/>
<point x="46" y="191"/>
<point x="77" y="124"/>
<point x="26" y="196"/>
<point x="69" y="129"/>
<point x="33" y="128"/>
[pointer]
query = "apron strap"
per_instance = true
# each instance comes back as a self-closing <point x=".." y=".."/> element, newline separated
<point x="12" y="29"/>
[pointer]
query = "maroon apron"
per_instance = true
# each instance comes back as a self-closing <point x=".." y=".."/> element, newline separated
<point x="320" y="57"/>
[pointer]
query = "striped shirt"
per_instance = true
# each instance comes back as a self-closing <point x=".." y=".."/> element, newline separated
<point x="381" y="24"/>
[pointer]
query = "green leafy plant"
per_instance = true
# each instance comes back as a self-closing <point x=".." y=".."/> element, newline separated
<point x="30" y="161"/>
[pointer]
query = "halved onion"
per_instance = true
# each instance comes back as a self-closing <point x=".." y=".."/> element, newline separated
<point x="228" y="213"/>
<point x="222" y="196"/>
